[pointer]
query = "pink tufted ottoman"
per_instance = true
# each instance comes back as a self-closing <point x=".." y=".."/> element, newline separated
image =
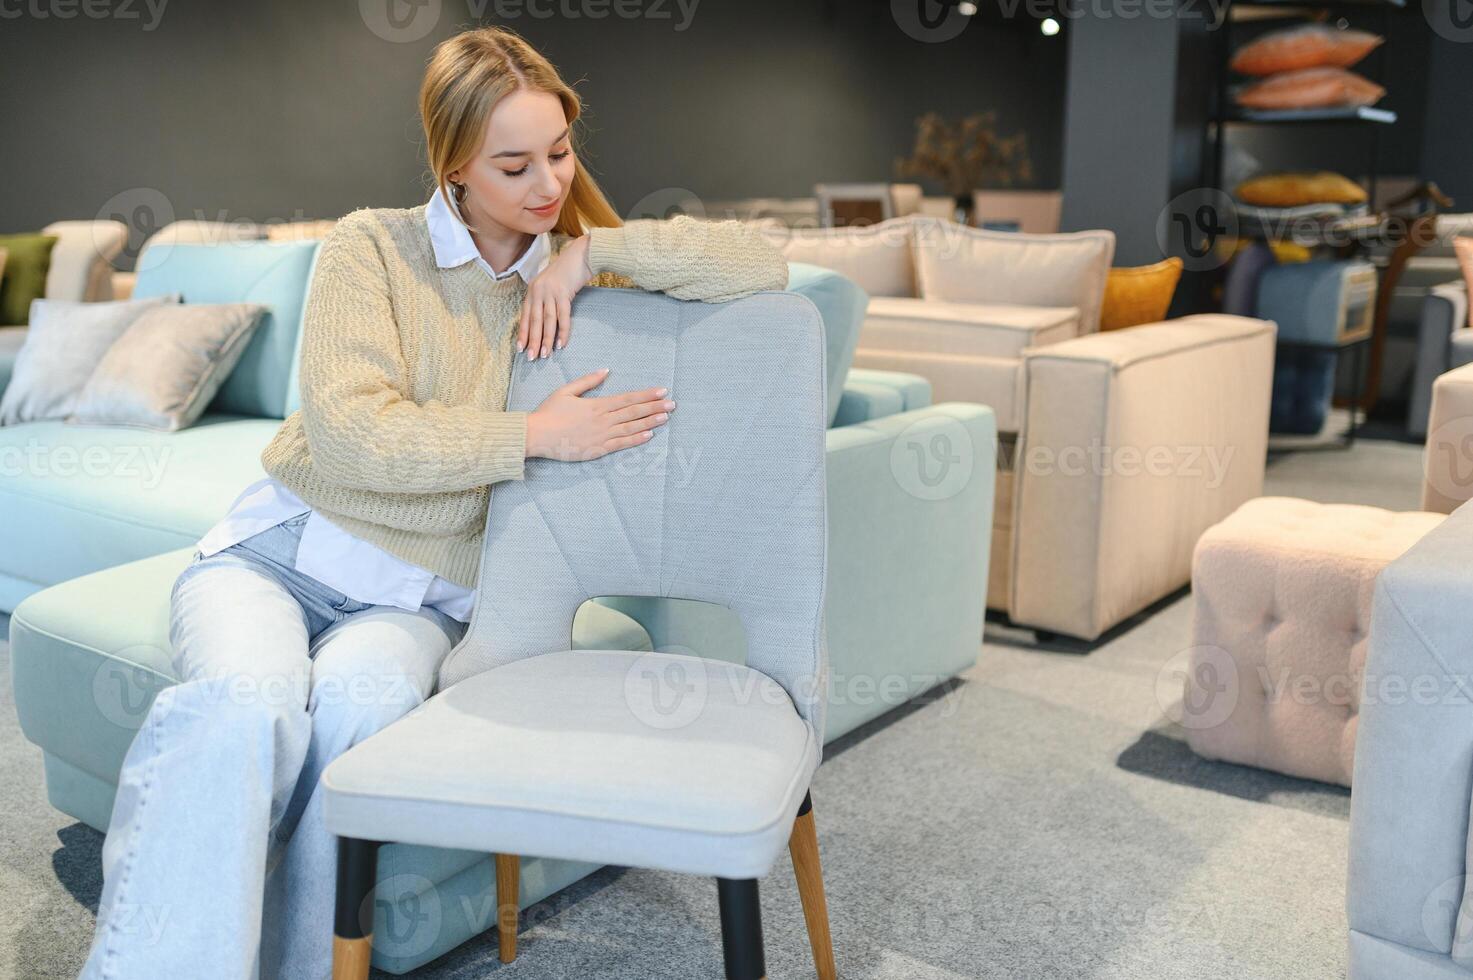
<point x="1282" y="602"/>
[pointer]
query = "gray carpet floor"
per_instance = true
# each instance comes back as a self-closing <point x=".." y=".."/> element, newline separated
<point x="1038" y="817"/>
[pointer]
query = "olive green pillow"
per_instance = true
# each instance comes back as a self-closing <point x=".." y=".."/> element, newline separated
<point x="27" y="261"/>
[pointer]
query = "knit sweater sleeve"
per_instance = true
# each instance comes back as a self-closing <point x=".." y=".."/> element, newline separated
<point x="713" y="261"/>
<point x="361" y="426"/>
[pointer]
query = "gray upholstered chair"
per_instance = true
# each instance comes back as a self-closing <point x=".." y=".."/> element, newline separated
<point x="646" y="759"/>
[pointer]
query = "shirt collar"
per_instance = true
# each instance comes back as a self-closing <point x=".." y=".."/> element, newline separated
<point x="454" y="246"/>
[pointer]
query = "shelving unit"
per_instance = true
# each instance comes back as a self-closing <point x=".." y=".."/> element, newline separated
<point x="1370" y="119"/>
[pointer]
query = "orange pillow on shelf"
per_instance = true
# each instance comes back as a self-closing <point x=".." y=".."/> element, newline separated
<point x="1310" y="88"/>
<point x="1307" y="46"/>
<point x="1294" y="190"/>
<point x="1139" y="295"/>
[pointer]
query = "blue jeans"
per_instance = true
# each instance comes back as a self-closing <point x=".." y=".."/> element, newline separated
<point x="217" y="863"/>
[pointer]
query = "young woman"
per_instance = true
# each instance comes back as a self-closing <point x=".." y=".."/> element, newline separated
<point x="318" y="610"/>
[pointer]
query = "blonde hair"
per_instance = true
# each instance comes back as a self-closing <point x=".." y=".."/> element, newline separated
<point x="467" y="76"/>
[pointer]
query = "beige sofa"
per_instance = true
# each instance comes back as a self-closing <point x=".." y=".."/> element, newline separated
<point x="1118" y="449"/>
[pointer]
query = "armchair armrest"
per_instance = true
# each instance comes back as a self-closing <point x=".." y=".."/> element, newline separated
<point x="1414" y="749"/>
<point x="1133" y="443"/>
<point x="909" y="537"/>
<point x="1447" y="460"/>
<point x="1444" y="312"/>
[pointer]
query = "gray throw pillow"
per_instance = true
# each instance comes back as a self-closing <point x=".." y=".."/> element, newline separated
<point x="164" y="370"/>
<point x="63" y="345"/>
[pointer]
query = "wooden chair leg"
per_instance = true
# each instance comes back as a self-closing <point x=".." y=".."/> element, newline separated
<point x="803" y="846"/>
<point x="352" y="941"/>
<point x="508" y="903"/>
<point x="741" y="929"/>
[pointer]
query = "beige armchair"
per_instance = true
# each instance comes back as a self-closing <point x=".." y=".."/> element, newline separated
<point x="1117" y="450"/>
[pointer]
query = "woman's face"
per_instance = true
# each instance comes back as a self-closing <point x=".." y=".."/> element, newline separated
<point x="525" y="162"/>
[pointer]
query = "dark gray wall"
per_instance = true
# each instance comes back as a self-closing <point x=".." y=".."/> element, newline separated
<point x="1447" y="136"/>
<point x="1119" y="128"/>
<point x="275" y="109"/>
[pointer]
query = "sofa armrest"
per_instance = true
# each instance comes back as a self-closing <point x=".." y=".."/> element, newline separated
<point x="1133" y="443"/>
<point x="1447" y="460"/>
<point x="1444" y="312"/>
<point x="1413" y="772"/>
<point x="910" y="520"/>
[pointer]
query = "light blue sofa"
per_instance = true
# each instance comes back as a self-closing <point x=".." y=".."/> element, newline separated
<point x="87" y="563"/>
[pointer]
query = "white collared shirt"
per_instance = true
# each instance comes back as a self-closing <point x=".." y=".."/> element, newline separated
<point x="332" y="556"/>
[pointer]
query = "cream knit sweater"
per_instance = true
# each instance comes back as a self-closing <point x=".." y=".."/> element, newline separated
<point x="405" y="369"/>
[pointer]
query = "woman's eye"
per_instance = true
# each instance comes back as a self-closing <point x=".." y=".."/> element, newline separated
<point x="518" y="173"/>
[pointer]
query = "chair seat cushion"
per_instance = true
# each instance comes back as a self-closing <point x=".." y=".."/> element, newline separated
<point x="654" y="760"/>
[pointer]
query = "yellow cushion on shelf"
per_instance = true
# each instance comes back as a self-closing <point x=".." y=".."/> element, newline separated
<point x="1293" y="190"/>
<point x="1139" y="295"/>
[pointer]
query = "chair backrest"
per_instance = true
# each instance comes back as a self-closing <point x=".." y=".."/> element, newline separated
<point x="725" y="504"/>
<point x="276" y="274"/>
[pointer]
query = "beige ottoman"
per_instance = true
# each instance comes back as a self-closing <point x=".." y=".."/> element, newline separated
<point x="1282" y="603"/>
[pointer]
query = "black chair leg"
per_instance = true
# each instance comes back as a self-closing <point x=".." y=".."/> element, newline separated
<point x="352" y="941"/>
<point x="741" y="929"/>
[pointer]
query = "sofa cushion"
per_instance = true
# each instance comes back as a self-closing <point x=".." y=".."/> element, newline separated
<point x="957" y="264"/>
<point x="979" y="329"/>
<point x="80" y="498"/>
<point x="27" y="260"/>
<point x="274" y="274"/>
<point x="877" y="257"/>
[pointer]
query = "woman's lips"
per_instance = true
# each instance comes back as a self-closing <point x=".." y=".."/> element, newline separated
<point x="544" y="212"/>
